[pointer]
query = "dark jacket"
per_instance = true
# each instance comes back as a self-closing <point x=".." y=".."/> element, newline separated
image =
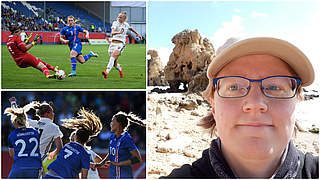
<point x="213" y="165"/>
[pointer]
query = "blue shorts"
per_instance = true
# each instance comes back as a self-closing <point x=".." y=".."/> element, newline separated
<point x="77" y="47"/>
<point x="19" y="173"/>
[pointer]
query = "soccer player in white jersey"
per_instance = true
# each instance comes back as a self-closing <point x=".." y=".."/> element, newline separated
<point x="119" y="31"/>
<point x="48" y="131"/>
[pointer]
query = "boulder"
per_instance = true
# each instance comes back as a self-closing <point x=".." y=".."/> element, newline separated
<point x="155" y="71"/>
<point x="189" y="60"/>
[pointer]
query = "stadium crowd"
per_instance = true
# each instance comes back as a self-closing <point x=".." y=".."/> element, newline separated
<point x="32" y="23"/>
<point x="67" y="104"/>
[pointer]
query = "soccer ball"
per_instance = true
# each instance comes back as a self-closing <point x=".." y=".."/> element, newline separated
<point x="60" y="74"/>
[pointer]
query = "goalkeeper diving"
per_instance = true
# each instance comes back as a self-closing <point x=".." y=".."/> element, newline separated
<point x="18" y="50"/>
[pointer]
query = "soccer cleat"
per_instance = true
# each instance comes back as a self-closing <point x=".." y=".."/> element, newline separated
<point x="93" y="54"/>
<point x="56" y="69"/>
<point x="121" y="73"/>
<point x="105" y="74"/>
<point x="72" y="74"/>
<point x="52" y="76"/>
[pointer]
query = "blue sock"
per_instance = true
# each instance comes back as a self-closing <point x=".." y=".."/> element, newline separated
<point x="87" y="57"/>
<point x="73" y="64"/>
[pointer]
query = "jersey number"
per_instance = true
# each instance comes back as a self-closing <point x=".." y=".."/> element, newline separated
<point x="69" y="153"/>
<point x="23" y="147"/>
<point x="40" y="132"/>
<point x="112" y="151"/>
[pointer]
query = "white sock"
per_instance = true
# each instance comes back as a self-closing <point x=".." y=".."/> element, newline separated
<point x="110" y="64"/>
<point x="118" y="67"/>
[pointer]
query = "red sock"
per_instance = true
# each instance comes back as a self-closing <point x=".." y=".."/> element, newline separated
<point x="48" y="65"/>
<point x="45" y="71"/>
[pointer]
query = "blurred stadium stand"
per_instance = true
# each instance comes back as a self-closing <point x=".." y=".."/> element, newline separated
<point x="52" y="16"/>
<point x="67" y="104"/>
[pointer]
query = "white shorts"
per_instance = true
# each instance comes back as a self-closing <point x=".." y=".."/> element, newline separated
<point x="115" y="46"/>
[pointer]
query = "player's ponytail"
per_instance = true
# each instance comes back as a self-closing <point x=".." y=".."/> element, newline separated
<point x="126" y="119"/>
<point x="19" y="115"/>
<point x="87" y="125"/>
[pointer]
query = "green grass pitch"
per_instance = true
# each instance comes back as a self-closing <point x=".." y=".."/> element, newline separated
<point x="133" y="61"/>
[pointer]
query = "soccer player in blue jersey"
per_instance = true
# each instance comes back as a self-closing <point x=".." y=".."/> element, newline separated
<point x="23" y="146"/>
<point x="122" y="150"/>
<point x="73" y="157"/>
<point x="70" y="35"/>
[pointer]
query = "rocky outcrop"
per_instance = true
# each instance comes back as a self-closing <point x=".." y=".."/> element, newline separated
<point x="155" y="70"/>
<point x="188" y="62"/>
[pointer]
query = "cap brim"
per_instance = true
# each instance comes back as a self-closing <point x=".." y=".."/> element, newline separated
<point x="265" y="45"/>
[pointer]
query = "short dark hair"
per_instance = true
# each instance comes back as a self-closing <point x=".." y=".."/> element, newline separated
<point x="124" y="119"/>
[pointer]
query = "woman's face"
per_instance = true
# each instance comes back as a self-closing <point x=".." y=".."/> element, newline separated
<point x="70" y="22"/>
<point x="115" y="125"/>
<point x="50" y="114"/>
<point x="121" y="18"/>
<point x="254" y="126"/>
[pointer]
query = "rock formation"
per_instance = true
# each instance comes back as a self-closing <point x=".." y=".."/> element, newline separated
<point x="155" y="70"/>
<point x="188" y="61"/>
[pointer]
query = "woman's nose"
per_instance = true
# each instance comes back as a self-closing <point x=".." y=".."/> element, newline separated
<point x="255" y="100"/>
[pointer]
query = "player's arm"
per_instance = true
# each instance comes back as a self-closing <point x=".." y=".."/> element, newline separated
<point x="97" y="159"/>
<point x="58" y="143"/>
<point x="131" y="29"/>
<point x="63" y="39"/>
<point x="84" y="173"/>
<point x="87" y="33"/>
<point x="13" y="102"/>
<point x="134" y="160"/>
<point x="11" y="152"/>
<point x="100" y="163"/>
<point x="114" y="32"/>
<point x="27" y="39"/>
<point x="25" y="47"/>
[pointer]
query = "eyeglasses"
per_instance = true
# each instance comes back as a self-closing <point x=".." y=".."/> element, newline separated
<point x="280" y="87"/>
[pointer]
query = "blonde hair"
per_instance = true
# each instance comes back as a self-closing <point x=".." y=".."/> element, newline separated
<point x="19" y="115"/>
<point x="124" y="13"/>
<point x="75" y="20"/>
<point x="87" y="125"/>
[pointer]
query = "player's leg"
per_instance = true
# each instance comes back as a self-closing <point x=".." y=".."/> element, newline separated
<point x="30" y="60"/>
<point x="118" y="67"/>
<point x="82" y="59"/>
<point x="49" y="66"/>
<point x="113" y="53"/>
<point x="44" y="69"/>
<point x="73" y="55"/>
<point x="114" y="56"/>
<point x="88" y="56"/>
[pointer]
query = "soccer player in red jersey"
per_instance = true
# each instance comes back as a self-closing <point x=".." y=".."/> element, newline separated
<point x="18" y="50"/>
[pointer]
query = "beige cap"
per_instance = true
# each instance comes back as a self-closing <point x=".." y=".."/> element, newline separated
<point x="235" y="48"/>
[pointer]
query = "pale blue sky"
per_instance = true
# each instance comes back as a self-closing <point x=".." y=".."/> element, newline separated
<point x="296" y="22"/>
<point x="167" y="18"/>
